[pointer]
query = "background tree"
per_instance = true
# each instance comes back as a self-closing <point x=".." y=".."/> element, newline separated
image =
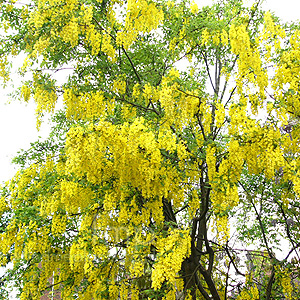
<point x="178" y="123"/>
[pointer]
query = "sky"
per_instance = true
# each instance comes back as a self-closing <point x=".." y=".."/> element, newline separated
<point x="17" y="120"/>
<point x="286" y="9"/>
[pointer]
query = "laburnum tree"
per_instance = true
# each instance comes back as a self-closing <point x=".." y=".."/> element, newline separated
<point x="173" y="169"/>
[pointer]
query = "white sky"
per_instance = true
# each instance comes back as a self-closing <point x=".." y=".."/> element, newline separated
<point x="18" y="129"/>
<point x="288" y="10"/>
<point x="17" y="120"/>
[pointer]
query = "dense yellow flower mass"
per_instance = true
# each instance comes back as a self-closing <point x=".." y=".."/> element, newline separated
<point x="127" y="152"/>
<point x="132" y="195"/>
<point x="172" y="251"/>
<point x="141" y="17"/>
<point x="285" y="281"/>
<point x="249" y="294"/>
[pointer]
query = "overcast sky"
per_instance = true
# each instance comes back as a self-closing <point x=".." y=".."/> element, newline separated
<point x="17" y="120"/>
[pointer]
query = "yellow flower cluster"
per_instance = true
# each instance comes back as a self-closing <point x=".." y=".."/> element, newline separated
<point x="59" y="223"/>
<point x="3" y="68"/>
<point x="93" y="39"/>
<point x="205" y="110"/>
<point x="194" y="8"/>
<point x="45" y="98"/>
<point x="29" y="290"/>
<point x="38" y="18"/>
<point x="3" y="205"/>
<point x="239" y="39"/>
<point x="75" y="197"/>
<point x="219" y="114"/>
<point x="134" y="152"/>
<point x="216" y="37"/>
<point x="211" y="162"/>
<point x="224" y="195"/>
<point x="69" y="22"/>
<point x="296" y="181"/>
<point x="179" y="108"/>
<point x="123" y="292"/>
<point x="221" y="228"/>
<point x="263" y="155"/>
<point x="7" y="238"/>
<point x="38" y="188"/>
<point x="286" y="80"/>
<point x="172" y="250"/>
<point x="84" y="105"/>
<point x="113" y="291"/>
<point x="25" y="92"/>
<point x="141" y="17"/>
<point x="285" y="280"/>
<point x="238" y="119"/>
<point x="119" y="86"/>
<point x="108" y="48"/>
<point x="251" y="293"/>
<point x="205" y="37"/>
<point x="271" y="30"/>
<point x="70" y="32"/>
<point x="40" y="46"/>
<point x="64" y="193"/>
<point x="80" y="259"/>
<point x="252" y="78"/>
<point x="128" y="112"/>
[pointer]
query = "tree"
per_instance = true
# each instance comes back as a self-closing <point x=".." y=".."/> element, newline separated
<point x="175" y="154"/>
